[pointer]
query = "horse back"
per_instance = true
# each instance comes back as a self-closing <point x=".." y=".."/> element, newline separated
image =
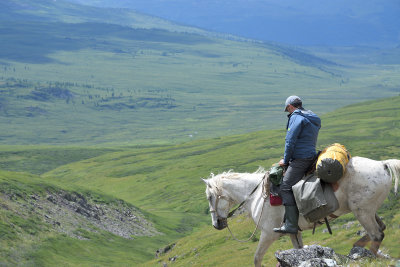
<point x="365" y="184"/>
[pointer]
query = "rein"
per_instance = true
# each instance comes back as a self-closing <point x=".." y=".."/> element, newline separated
<point x="244" y="201"/>
<point x="264" y="195"/>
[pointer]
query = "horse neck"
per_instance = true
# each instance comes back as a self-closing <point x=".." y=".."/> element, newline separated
<point x="240" y="188"/>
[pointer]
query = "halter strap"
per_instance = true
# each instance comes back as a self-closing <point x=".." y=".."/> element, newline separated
<point x="241" y="204"/>
<point x="216" y="203"/>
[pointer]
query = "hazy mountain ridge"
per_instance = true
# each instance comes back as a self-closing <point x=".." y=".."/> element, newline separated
<point x="311" y="22"/>
<point x="67" y="12"/>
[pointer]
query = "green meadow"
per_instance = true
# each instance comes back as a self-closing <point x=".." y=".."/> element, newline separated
<point x="93" y="83"/>
<point x="119" y="107"/>
<point x="164" y="182"/>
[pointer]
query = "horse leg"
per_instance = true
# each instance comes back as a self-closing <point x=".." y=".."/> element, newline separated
<point x="297" y="240"/>
<point x="362" y="242"/>
<point x="374" y="230"/>
<point x="382" y="226"/>
<point x="266" y="240"/>
<point x="300" y="239"/>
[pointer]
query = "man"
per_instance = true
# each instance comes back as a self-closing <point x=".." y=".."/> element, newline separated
<point x="300" y="152"/>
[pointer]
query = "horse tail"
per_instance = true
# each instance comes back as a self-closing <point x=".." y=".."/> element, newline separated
<point x="393" y="165"/>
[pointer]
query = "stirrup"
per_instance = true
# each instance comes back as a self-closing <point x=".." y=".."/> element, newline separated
<point x="283" y="230"/>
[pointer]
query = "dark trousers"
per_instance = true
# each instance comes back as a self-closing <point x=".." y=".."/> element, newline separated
<point x="295" y="172"/>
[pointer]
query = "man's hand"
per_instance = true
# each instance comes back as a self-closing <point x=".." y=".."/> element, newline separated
<point x="282" y="163"/>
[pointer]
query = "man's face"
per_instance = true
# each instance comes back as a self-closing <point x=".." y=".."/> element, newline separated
<point x="290" y="109"/>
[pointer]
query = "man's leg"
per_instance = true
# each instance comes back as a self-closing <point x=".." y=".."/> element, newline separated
<point x="295" y="172"/>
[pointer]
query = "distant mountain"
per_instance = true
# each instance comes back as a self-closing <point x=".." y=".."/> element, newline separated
<point x="67" y="12"/>
<point x="308" y="22"/>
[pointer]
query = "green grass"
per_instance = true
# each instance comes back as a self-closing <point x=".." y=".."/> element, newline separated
<point x="209" y="247"/>
<point x="38" y="160"/>
<point x="141" y="114"/>
<point x="92" y="83"/>
<point x="164" y="182"/>
<point x="27" y="240"/>
<point x="160" y="172"/>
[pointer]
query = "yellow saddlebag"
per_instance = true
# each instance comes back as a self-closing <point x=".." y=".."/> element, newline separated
<point x="332" y="162"/>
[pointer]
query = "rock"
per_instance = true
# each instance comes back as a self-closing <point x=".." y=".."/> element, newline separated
<point x="69" y="197"/>
<point x="348" y="225"/>
<point x="67" y="212"/>
<point x="4" y="206"/>
<point x="385" y="256"/>
<point x="51" y="199"/>
<point x="35" y="197"/>
<point x="318" y="262"/>
<point x="295" y="257"/>
<point x="173" y="258"/>
<point x="357" y="253"/>
<point x="361" y="232"/>
<point x="318" y="256"/>
<point x="164" y="250"/>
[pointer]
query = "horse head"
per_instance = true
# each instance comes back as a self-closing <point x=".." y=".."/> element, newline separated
<point x="219" y="203"/>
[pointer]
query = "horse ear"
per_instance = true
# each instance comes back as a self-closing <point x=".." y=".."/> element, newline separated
<point x="206" y="182"/>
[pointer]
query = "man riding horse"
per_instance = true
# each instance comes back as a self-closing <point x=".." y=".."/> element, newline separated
<point x="300" y="153"/>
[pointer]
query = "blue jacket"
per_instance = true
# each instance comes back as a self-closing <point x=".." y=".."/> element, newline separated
<point x="301" y="136"/>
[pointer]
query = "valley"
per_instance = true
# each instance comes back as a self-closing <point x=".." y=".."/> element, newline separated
<point x="110" y="118"/>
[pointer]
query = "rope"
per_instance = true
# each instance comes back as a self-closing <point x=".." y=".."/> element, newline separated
<point x="259" y="219"/>
<point x="252" y="192"/>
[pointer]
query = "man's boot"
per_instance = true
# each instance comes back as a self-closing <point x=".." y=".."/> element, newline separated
<point x="291" y="221"/>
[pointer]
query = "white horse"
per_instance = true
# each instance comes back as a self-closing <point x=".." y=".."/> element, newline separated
<point x="362" y="190"/>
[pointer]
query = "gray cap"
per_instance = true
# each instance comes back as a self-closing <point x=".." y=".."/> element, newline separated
<point x="293" y="100"/>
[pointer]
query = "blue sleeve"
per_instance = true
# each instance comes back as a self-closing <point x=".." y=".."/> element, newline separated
<point x="292" y="133"/>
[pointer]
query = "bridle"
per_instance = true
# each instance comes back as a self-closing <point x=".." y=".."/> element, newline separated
<point x="224" y="220"/>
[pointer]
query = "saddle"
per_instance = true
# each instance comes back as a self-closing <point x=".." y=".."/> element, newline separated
<point x="315" y="199"/>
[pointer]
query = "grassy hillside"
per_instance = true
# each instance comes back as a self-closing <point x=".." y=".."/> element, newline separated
<point x="129" y="111"/>
<point x="370" y="129"/>
<point x="147" y="175"/>
<point x="164" y="183"/>
<point x="36" y="232"/>
<point x="210" y="247"/>
<point x="94" y="81"/>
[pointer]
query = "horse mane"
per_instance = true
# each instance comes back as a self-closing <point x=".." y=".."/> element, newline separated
<point x="217" y="180"/>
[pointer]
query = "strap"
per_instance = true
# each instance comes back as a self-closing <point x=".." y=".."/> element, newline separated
<point x="241" y="204"/>
<point x="327" y="225"/>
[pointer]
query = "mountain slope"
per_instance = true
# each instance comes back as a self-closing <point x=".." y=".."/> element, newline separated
<point x="309" y="22"/>
<point x="44" y="225"/>
<point x="63" y="11"/>
<point x="210" y="247"/>
<point x="140" y="176"/>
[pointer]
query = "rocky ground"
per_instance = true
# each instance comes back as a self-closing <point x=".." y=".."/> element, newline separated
<point x="69" y="212"/>
<point x="316" y="255"/>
